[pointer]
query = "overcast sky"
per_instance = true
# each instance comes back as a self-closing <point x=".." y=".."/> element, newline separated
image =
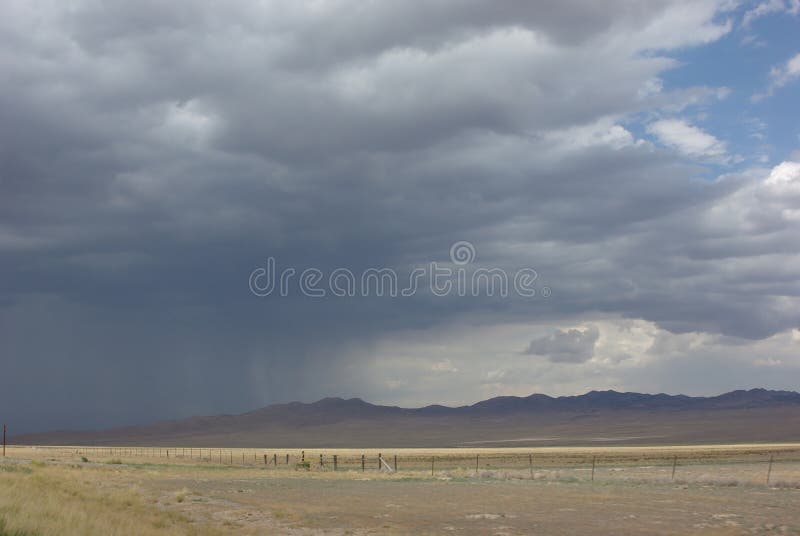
<point x="641" y="157"/>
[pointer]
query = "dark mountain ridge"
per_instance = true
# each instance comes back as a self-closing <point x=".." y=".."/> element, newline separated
<point x="742" y="415"/>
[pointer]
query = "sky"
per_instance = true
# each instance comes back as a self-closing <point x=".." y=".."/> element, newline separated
<point x="632" y="169"/>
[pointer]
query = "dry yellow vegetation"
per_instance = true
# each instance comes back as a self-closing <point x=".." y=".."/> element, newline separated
<point x="72" y="500"/>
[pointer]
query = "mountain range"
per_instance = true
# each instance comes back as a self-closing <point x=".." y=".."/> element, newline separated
<point x="597" y="417"/>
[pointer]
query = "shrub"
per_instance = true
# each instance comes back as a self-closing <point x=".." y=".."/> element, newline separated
<point x="181" y="494"/>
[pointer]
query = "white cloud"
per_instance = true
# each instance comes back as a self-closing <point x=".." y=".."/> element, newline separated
<point x="575" y="345"/>
<point x="625" y="356"/>
<point x="604" y="132"/>
<point x="770" y="7"/>
<point x="785" y="177"/>
<point x="783" y="75"/>
<point x="780" y="76"/>
<point x="688" y="139"/>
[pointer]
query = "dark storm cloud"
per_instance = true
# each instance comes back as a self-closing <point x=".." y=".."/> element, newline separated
<point x="153" y="154"/>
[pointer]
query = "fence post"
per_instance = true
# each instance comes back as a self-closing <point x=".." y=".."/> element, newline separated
<point x="379" y="461"/>
<point x="362" y="464"/>
<point x="674" y="464"/>
<point x="321" y="463"/>
<point x="287" y="459"/>
<point x="395" y="463"/>
<point x="477" y="457"/>
<point x="265" y="459"/>
<point x="769" y="468"/>
<point x="335" y="462"/>
<point x="594" y="460"/>
<point x="530" y="464"/>
<point x="275" y="460"/>
<point x="433" y="459"/>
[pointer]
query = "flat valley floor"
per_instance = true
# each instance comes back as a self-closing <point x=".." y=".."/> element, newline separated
<point x="715" y="490"/>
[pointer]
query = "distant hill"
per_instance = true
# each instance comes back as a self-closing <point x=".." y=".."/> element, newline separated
<point x="597" y="417"/>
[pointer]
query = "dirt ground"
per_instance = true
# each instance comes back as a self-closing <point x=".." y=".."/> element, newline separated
<point x="714" y="497"/>
<point x="380" y="506"/>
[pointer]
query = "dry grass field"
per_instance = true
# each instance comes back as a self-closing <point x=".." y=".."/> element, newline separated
<point x="718" y="489"/>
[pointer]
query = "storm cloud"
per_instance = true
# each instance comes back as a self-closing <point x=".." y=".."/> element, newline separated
<point x="152" y="155"/>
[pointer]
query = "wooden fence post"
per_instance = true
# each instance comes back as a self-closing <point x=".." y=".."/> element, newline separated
<point x="477" y="457"/>
<point x="433" y="459"/>
<point x="265" y="459"/>
<point x="335" y="462"/>
<point x="379" y="461"/>
<point x="769" y="468"/>
<point x="395" y="463"/>
<point x="594" y="460"/>
<point x="321" y="463"/>
<point x="363" y="467"/>
<point x="275" y="460"/>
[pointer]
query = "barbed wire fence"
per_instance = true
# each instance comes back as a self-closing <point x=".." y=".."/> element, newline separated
<point x="774" y="467"/>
